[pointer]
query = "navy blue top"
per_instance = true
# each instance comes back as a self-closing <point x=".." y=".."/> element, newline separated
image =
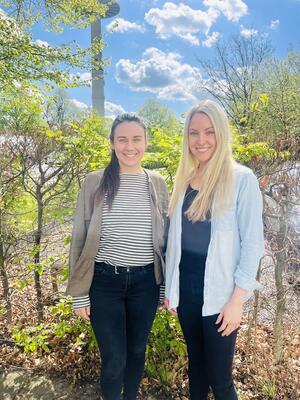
<point x="195" y="236"/>
<point x="195" y="240"/>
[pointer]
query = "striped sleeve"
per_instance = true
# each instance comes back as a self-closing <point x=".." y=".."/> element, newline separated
<point x="81" y="301"/>
<point x="162" y="290"/>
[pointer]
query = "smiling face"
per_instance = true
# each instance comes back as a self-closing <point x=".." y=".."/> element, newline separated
<point x="129" y="144"/>
<point x="201" y="138"/>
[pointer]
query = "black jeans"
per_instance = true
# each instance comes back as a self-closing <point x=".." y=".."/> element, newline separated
<point x="123" y="307"/>
<point x="210" y="354"/>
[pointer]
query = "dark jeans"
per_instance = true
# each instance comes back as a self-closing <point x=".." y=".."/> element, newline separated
<point x="123" y="308"/>
<point x="210" y="354"/>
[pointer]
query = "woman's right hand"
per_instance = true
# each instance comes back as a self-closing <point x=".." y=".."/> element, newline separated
<point x="173" y="311"/>
<point x="83" y="312"/>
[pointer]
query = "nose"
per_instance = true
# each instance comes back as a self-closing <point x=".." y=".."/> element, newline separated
<point x="201" y="139"/>
<point x="129" y="145"/>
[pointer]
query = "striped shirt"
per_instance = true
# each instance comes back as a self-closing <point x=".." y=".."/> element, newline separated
<point x="126" y="229"/>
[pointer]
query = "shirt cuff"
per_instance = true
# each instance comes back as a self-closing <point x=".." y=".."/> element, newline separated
<point x="162" y="290"/>
<point x="246" y="282"/>
<point x="81" y="301"/>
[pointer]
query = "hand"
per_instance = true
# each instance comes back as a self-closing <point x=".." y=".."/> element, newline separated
<point x="173" y="311"/>
<point x="83" y="312"/>
<point x="231" y="316"/>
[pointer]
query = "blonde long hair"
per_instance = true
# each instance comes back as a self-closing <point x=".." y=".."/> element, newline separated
<point x="215" y="193"/>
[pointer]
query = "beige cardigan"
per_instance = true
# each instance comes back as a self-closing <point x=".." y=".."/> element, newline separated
<point x="87" y="230"/>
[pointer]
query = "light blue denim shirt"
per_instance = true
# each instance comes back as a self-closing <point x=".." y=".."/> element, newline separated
<point x="235" y="249"/>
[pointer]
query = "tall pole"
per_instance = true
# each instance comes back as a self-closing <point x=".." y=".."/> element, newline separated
<point x="97" y="74"/>
<point x="113" y="9"/>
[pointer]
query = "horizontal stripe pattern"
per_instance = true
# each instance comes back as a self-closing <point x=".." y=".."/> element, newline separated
<point x="126" y="229"/>
<point x="81" y="301"/>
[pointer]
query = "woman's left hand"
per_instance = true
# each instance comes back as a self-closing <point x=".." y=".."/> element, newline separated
<point x="231" y="316"/>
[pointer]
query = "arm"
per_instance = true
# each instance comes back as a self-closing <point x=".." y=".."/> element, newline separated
<point x="81" y="304"/>
<point x="249" y="214"/>
<point x="79" y="230"/>
<point x="231" y="313"/>
<point x="250" y="224"/>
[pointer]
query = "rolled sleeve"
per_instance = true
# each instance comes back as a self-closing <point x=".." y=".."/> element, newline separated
<point x="246" y="282"/>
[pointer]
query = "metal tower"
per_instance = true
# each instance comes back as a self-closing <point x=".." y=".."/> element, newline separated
<point x="97" y="74"/>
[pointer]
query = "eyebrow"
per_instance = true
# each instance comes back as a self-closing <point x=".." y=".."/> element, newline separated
<point x="206" y="129"/>
<point x="125" y="137"/>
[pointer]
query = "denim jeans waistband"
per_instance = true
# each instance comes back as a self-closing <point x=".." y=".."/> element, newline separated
<point x="122" y="270"/>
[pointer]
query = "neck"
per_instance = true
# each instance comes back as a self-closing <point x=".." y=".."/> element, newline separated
<point x="132" y="170"/>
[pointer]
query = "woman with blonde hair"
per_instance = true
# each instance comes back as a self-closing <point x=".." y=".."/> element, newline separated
<point x="214" y="246"/>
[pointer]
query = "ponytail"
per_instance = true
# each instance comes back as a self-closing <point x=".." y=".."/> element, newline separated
<point x="110" y="181"/>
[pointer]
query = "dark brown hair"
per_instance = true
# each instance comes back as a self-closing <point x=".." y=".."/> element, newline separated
<point x="110" y="181"/>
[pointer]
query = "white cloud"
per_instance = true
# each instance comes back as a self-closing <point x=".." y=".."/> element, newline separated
<point x="112" y="110"/>
<point x="247" y="33"/>
<point x="160" y="73"/>
<point x="232" y="9"/>
<point x="181" y="21"/>
<point x="79" y="104"/>
<point x="274" y="24"/>
<point x="121" y="25"/>
<point x="41" y="43"/>
<point x="84" y="77"/>
<point x="211" y="39"/>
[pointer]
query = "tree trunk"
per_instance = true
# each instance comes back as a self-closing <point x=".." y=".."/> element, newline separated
<point x="280" y="294"/>
<point x="252" y="321"/>
<point x="37" y="242"/>
<point x="53" y="272"/>
<point x="4" y="278"/>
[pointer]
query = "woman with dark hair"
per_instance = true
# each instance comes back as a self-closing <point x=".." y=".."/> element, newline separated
<point x="116" y="256"/>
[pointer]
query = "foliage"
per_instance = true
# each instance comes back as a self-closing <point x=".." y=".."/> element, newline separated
<point x="232" y="76"/>
<point x="167" y="154"/>
<point x="47" y="336"/>
<point x="56" y="16"/>
<point x="278" y="122"/>
<point x="158" y="116"/>
<point x="166" y="353"/>
<point x="23" y="60"/>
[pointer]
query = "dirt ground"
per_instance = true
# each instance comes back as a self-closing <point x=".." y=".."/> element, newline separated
<point x="22" y="384"/>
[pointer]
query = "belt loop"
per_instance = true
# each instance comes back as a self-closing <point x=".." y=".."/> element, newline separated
<point x="116" y="270"/>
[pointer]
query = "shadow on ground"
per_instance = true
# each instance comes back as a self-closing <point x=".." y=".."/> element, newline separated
<point x="22" y="384"/>
<point x="17" y="385"/>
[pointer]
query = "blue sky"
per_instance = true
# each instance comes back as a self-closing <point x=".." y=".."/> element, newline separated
<point x="155" y="47"/>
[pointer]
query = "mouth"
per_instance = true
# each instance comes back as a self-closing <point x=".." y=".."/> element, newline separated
<point x="130" y="155"/>
<point x="202" y="149"/>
